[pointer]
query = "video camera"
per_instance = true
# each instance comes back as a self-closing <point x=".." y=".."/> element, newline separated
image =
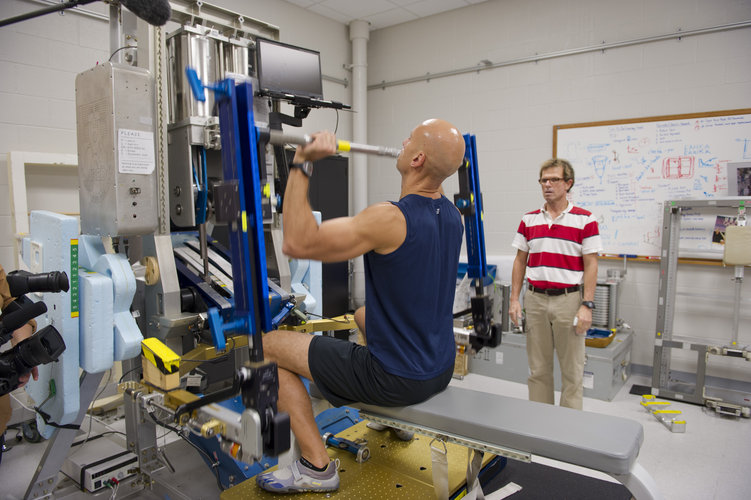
<point x="44" y="346"/>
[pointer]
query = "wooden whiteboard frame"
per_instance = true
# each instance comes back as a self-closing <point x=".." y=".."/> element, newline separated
<point x="647" y="119"/>
<point x="19" y="208"/>
<point x="729" y="112"/>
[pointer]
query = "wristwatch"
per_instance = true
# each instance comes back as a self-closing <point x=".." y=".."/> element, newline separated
<point x="589" y="304"/>
<point x="306" y="168"/>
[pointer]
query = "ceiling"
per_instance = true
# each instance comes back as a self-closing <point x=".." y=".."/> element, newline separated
<point x="380" y="13"/>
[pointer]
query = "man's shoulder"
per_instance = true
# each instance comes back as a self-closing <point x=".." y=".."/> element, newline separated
<point x="384" y="209"/>
<point x="579" y="211"/>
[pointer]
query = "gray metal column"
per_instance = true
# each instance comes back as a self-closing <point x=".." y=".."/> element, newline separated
<point x="671" y="226"/>
<point x="45" y="477"/>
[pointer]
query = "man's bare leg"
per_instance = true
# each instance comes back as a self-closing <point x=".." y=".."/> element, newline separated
<point x="294" y="399"/>
<point x="360" y="321"/>
<point x="290" y="351"/>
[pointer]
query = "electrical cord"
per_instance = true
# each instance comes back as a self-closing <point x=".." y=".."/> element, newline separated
<point x="121" y="48"/>
<point x="47" y="418"/>
<point x="128" y="373"/>
<point x="114" y="484"/>
<point x="179" y="432"/>
<point x="21" y="403"/>
<point x="326" y="317"/>
<point x="91" y="417"/>
<point x="112" y="432"/>
<point x="223" y="356"/>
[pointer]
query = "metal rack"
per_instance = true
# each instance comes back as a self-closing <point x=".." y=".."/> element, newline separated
<point x="723" y="400"/>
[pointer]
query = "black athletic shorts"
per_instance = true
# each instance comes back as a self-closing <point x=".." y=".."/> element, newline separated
<point x="346" y="373"/>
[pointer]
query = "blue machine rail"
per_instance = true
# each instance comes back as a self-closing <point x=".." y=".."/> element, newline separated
<point x="469" y="203"/>
<point x="240" y="167"/>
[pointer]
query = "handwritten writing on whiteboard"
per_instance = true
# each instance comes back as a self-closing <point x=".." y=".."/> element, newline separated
<point x="625" y="171"/>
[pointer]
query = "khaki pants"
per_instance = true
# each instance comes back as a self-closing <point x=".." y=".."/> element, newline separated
<point x="550" y="327"/>
<point x="5" y="412"/>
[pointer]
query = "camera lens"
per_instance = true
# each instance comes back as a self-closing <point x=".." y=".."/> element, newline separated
<point x="53" y="282"/>
<point x="42" y="348"/>
<point x="22" y="282"/>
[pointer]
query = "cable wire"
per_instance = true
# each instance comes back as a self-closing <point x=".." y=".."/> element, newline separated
<point x="326" y="317"/>
<point x="179" y="432"/>
<point x="128" y="373"/>
<point x="121" y="48"/>
<point x="91" y="416"/>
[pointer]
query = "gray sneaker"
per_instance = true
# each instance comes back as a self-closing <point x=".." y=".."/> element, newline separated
<point x="376" y="426"/>
<point x="297" y="478"/>
<point x="400" y="433"/>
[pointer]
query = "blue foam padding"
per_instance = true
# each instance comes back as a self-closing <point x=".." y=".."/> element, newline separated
<point x="58" y="236"/>
<point x="95" y="323"/>
<point x="307" y="278"/>
<point x="90" y="248"/>
<point x="126" y="335"/>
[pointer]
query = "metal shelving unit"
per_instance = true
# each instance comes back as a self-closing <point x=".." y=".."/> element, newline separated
<point x="726" y="401"/>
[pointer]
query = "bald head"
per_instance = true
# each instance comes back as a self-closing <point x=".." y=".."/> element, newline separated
<point x="442" y="145"/>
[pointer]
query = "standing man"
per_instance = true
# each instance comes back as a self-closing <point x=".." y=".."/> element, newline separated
<point x="411" y="251"/>
<point x="557" y="247"/>
<point x="18" y="335"/>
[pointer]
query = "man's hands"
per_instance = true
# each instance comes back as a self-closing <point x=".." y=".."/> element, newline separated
<point x="583" y="320"/>
<point x="23" y="379"/>
<point x="515" y="312"/>
<point x="323" y="145"/>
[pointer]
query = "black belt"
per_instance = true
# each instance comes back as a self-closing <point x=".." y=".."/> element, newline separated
<point x="555" y="291"/>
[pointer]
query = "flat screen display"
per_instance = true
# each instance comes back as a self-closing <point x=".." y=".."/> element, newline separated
<point x="288" y="69"/>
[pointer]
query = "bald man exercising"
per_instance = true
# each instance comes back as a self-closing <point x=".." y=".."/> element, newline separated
<point x="411" y="250"/>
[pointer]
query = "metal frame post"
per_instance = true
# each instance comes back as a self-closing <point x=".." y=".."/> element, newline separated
<point x="45" y="477"/>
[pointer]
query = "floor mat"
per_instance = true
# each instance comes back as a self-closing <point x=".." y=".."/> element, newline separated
<point x="540" y="482"/>
<point x="640" y="390"/>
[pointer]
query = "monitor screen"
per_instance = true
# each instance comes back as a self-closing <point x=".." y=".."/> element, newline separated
<point x="288" y="69"/>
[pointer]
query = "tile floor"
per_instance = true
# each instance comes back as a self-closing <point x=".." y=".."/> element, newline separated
<point x="711" y="460"/>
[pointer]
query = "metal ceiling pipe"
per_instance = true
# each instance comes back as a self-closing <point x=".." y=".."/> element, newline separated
<point x="486" y="64"/>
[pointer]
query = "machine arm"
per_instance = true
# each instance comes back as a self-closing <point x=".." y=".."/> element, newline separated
<point x="279" y="137"/>
<point x="469" y="202"/>
<point x="259" y="430"/>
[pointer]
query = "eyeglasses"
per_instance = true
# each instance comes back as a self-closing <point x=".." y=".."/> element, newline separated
<point x="552" y="180"/>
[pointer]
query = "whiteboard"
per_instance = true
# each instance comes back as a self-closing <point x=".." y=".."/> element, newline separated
<point x="626" y="169"/>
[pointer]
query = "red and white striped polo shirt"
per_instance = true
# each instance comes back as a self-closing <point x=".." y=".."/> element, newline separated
<point x="556" y="247"/>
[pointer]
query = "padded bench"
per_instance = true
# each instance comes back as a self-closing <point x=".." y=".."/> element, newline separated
<point x="518" y="428"/>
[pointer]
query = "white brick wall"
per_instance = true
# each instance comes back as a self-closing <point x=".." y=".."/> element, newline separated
<point x="512" y="111"/>
<point x="40" y="58"/>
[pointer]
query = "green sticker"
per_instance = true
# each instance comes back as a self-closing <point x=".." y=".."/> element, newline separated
<point x="74" y="278"/>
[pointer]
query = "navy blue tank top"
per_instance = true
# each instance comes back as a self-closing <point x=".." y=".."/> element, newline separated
<point x="409" y="293"/>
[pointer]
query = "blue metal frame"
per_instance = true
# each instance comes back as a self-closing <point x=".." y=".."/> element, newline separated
<point x="240" y="164"/>
<point x="473" y="221"/>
